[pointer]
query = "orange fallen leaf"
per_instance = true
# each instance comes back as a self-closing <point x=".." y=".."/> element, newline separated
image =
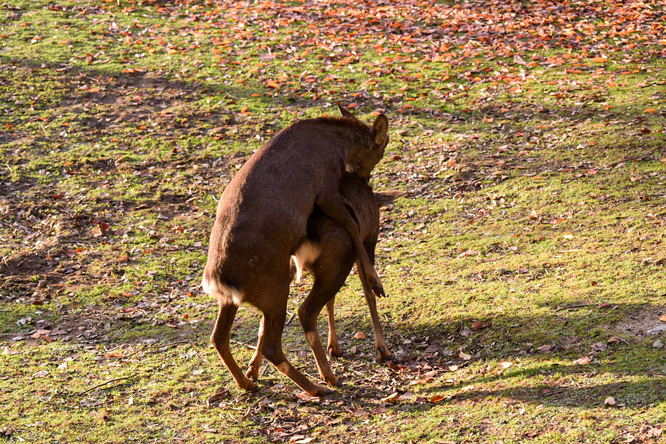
<point x="113" y="354"/>
<point x="436" y="398"/>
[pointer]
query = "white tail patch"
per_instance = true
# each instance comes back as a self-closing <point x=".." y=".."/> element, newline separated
<point x="217" y="289"/>
<point x="305" y="256"/>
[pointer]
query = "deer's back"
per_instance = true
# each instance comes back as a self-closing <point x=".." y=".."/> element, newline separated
<point x="262" y="214"/>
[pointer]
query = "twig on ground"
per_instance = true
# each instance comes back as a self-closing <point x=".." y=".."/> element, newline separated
<point x="252" y="347"/>
<point x="107" y="382"/>
<point x="249" y="409"/>
<point x="571" y="307"/>
<point x="282" y="437"/>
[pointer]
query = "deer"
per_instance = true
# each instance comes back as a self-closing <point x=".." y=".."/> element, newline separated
<point x="328" y="253"/>
<point x="261" y="220"/>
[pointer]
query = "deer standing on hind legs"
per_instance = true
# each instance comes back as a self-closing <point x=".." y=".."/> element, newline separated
<point x="262" y="219"/>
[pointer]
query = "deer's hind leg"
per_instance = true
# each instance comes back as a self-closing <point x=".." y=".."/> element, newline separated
<point x="330" y="272"/>
<point x="333" y="345"/>
<point x="255" y="362"/>
<point x="274" y="308"/>
<point x="220" y="339"/>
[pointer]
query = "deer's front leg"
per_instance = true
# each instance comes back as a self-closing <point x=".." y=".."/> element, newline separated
<point x="334" y="207"/>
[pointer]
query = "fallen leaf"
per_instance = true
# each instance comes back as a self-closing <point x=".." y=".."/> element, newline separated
<point x="392" y="398"/>
<point x="582" y="360"/>
<point x="662" y="318"/>
<point x="610" y="401"/>
<point x="464" y="356"/>
<point x="359" y="335"/>
<point x="436" y="398"/>
<point x="654" y="432"/>
<point x="114" y="354"/>
<point x="479" y="325"/>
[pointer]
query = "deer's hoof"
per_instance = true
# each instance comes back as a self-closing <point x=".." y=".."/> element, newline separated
<point x="375" y="285"/>
<point x="384" y="354"/>
<point x="253" y="373"/>
<point x="332" y="380"/>
<point x="320" y="390"/>
<point x="335" y="350"/>
<point x="378" y="291"/>
<point x="247" y="385"/>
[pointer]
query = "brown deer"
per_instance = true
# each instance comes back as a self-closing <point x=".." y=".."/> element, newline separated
<point x="262" y="219"/>
<point x="328" y="253"/>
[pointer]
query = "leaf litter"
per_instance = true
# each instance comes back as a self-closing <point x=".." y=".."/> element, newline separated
<point x="441" y="69"/>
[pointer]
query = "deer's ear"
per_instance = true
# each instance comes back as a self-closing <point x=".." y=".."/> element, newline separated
<point x="386" y="198"/>
<point x="344" y="112"/>
<point x="380" y="129"/>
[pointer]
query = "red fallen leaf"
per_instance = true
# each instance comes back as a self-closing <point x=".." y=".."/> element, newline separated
<point x="662" y="318"/>
<point x="272" y="84"/>
<point x="599" y="60"/>
<point x="436" y="398"/>
<point x="650" y="111"/>
<point x="479" y="325"/>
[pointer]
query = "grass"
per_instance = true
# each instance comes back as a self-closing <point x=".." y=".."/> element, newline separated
<point x="530" y="142"/>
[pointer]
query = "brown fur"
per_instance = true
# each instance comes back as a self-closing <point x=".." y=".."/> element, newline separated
<point x="262" y="218"/>
<point x="328" y="253"/>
